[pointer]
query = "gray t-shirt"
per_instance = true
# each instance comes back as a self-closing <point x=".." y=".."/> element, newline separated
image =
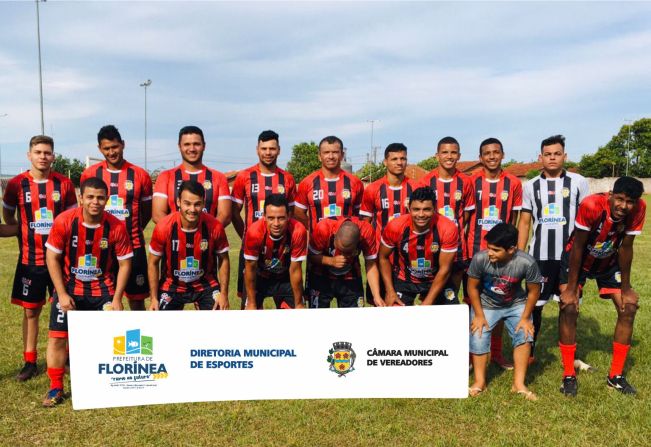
<point x="501" y="284"/>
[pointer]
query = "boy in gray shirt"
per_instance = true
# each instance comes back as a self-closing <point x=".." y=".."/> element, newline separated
<point x="495" y="290"/>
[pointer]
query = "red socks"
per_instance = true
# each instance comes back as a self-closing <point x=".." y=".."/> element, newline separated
<point x="30" y="357"/>
<point x="620" y="352"/>
<point x="496" y="345"/>
<point x="56" y="377"/>
<point x="567" y="356"/>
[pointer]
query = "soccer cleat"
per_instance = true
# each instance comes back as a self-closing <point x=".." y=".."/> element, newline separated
<point x="29" y="370"/>
<point x="620" y="384"/>
<point x="569" y="386"/>
<point x="502" y="363"/>
<point x="53" y="398"/>
<point x="582" y="366"/>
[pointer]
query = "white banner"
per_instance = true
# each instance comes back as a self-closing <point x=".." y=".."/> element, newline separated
<point x="138" y="358"/>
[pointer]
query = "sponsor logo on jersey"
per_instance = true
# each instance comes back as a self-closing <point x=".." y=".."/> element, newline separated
<point x="448" y="212"/>
<point x="552" y="215"/>
<point x="115" y="206"/>
<point x="341" y="358"/>
<point x="490" y="217"/>
<point x="421" y="267"/>
<point x="43" y="221"/>
<point x="190" y="270"/>
<point x="86" y="269"/>
<point x="273" y="265"/>
<point x="393" y="216"/>
<point x="260" y="211"/>
<point x="601" y="250"/>
<point x="332" y="210"/>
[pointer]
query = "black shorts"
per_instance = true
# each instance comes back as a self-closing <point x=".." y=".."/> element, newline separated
<point x="608" y="281"/>
<point x="59" y="318"/>
<point x="408" y="291"/>
<point x="138" y="284"/>
<point x="176" y="301"/>
<point x="31" y="285"/>
<point x="349" y="292"/>
<point x="550" y="272"/>
<point x="278" y="288"/>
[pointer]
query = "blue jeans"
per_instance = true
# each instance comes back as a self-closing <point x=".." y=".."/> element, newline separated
<point x="511" y="316"/>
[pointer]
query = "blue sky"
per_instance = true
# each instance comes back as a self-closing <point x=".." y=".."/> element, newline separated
<point x="518" y="71"/>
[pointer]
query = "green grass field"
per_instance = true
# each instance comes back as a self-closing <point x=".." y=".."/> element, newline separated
<point x="598" y="416"/>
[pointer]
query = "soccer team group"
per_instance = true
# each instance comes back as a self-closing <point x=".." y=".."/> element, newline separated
<point x="422" y="241"/>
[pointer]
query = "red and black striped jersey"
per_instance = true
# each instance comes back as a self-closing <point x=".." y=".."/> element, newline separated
<point x="128" y="188"/>
<point x="417" y="253"/>
<point x="251" y="187"/>
<point x="275" y="255"/>
<point x="606" y="235"/>
<point x="322" y="242"/>
<point x="213" y="181"/>
<point x="189" y="257"/>
<point x="383" y="202"/>
<point x="329" y="198"/>
<point x="453" y="197"/>
<point x="89" y="252"/>
<point x="39" y="202"/>
<point x="496" y="201"/>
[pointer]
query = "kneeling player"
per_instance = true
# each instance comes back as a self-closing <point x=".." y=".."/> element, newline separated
<point x="274" y="250"/>
<point x="189" y="241"/>
<point x="81" y="249"/>
<point x="423" y="244"/>
<point x="334" y="247"/>
<point x="495" y="290"/>
<point x="601" y="247"/>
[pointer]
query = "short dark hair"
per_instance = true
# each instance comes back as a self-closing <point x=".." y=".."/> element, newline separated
<point x="268" y="135"/>
<point x="422" y="194"/>
<point x="94" y="183"/>
<point x="41" y="139"/>
<point x="447" y="140"/>
<point x="331" y="139"/>
<point x="503" y="235"/>
<point x="394" y="147"/>
<point x="192" y="186"/>
<point x="188" y="130"/>
<point x="488" y="141"/>
<point x="554" y="139"/>
<point x="109" y="132"/>
<point x="629" y="186"/>
<point x="276" y="200"/>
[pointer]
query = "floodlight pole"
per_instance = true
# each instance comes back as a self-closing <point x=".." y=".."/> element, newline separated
<point x="146" y="84"/>
<point x="40" y="69"/>
<point x="628" y="145"/>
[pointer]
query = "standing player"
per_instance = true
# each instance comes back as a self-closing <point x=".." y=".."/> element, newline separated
<point x="218" y="200"/>
<point x="453" y="198"/>
<point x="251" y="188"/>
<point x="334" y="247"/>
<point x="601" y="247"/>
<point x="129" y="200"/>
<point x="387" y="198"/>
<point x="189" y="242"/>
<point x="39" y="195"/>
<point x="550" y="201"/>
<point x="498" y="199"/>
<point x="417" y="253"/>
<point x="330" y="192"/>
<point x="274" y="249"/>
<point x="83" y="245"/>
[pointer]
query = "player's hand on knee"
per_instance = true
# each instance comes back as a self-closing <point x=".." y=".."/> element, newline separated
<point x="629" y="296"/>
<point x="569" y="298"/>
<point x="525" y="325"/>
<point x="478" y="324"/>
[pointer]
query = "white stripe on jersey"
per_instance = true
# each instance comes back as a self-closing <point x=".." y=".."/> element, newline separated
<point x="553" y="203"/>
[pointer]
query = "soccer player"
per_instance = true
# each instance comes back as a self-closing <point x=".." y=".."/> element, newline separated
<point x="218" y="199"/>
<point x="601" y="247"/>
<point x="550" y="201"/>
<point x="498" y="199"/>
<point x="330" y="192"/>
<point x="190" y="243"/>
<point x="130" y="191"/>
<point x="38" y="195"/>
<point x="274" y="250"/>
<point x="251" y="188"/>
<point x="334" y="250"/>
<point x="387" y="198"/>
<point x="495" y="289"/>
<point x="453" y="198"/>
<point x="417" y="253"/>
<point x="81" y="248"/>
